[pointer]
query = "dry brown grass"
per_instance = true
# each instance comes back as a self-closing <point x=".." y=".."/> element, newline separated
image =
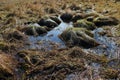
<point x="32" y="10"/>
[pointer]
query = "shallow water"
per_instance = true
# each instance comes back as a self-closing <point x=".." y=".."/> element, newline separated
<point x="107" y="45"/>
<point x="50" y="40"/>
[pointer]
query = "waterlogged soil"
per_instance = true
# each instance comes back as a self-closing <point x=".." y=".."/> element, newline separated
<point x="50" y="40"/>
<point x="47" y="56"/>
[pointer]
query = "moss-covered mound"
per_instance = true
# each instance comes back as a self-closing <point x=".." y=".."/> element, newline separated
<point x="78" y="37"/>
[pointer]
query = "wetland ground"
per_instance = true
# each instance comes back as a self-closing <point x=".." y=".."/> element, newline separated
<point x="59" y="39"/>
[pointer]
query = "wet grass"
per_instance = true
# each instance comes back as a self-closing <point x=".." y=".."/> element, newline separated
<point x="54" y="65"/>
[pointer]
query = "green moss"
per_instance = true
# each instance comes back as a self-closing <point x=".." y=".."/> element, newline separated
<point x="85" y="24"/>
<point x="84" y="30"/>
<point x="105" y="21"/>
<point x="77" y="29"/>
<point x="78" y="37"/>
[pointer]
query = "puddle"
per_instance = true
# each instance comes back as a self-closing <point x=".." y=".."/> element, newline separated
<point x="50" y="40"/>
<point x="107" y="45"/>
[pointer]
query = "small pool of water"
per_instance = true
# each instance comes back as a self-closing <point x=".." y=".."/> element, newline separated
<point x="50" y="40"/>
<point x="107" y="45"/>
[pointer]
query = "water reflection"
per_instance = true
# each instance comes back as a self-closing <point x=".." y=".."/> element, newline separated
<point x="51" y="39"/>
<point x="107" y="47"/>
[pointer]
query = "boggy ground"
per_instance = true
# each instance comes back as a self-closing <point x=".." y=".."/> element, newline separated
<point x="17" y="63"/>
